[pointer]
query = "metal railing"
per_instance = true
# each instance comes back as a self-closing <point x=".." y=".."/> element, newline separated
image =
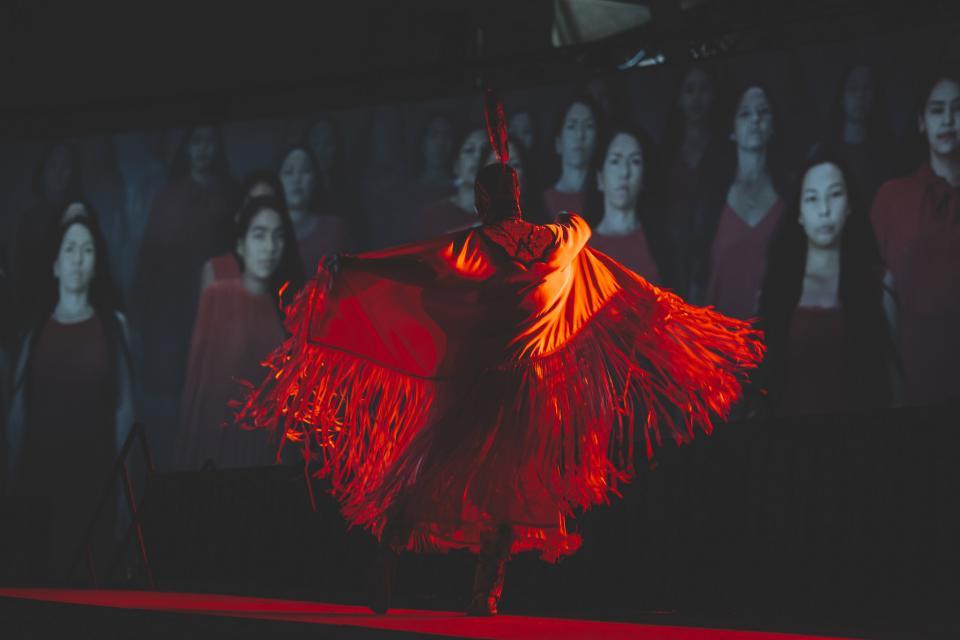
<point x="120" y="469"/>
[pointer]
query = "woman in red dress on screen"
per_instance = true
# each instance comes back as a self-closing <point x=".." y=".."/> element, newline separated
<point x="916" y="219"/>
<point x="228" y="265"/>
<point x="189" y="223"/>
<point x="821" y="306"/>
<point x="318" y="232"/>
<point x="690" y="141"/>
<point x="474" y="390"/>
<point x="72" y="407"/>
<point x="238" y="323"/>
<point x="458" y="211"/>
<point x="574" y="141"/>
<point x="750" y="209"/>
<point x="618" y="202"/>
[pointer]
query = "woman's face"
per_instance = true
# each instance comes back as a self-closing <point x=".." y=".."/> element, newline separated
<point x="201" y="148"/>
<point x="940" y="120"/>
<point x="696" y="96"/>
<point x="578" y="135"/>
<point x="471" y="153"/>
<point x="521" y="128"/>
<point x="514" y="162"/>
<point x="296" y="175"/>
<point x="824" y="205"/>
<point x="620" y="179"/>
<point x="753" y="123"/>
<point x="75" y="263"/>
<point x="438" y="144"/>
<point x="858" y="92"/>
<point x="261" y="247"/>
<point x="323" y="141"/>
<point x="73" y="210"/>
<point x="57" y="173"/>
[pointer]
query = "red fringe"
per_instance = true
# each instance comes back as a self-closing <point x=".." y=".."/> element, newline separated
<point x="555" y="431"/>
<point x="351" y="414"/>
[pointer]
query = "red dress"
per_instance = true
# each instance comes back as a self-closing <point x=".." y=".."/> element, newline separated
<point x="631" y="250"/>
<point x="235" y="330"/>
<point x="557" y="202"/>
<point x="69" y="435"/>
<point x="492" y="376"/>
<point x="738" y="260"/>
<point x="188" y="225"/>
<point x="226" y="267"/>
<point x="818" y="376"/>
<point x="916" y="219"/>
<point x="444" y="216"/>
<point x="328" y="237"/>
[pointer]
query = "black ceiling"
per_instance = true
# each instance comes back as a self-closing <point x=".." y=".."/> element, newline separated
<point x="80" y="66"/>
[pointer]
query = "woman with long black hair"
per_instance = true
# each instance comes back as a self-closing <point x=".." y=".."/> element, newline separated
<point x="72" y="406"/>
<point x="821" y="304"/>
<point x="575" y="138"/>
<point x="742" y="208"/>
<point x="228" y="264"/>
<point x="318" y="231"/>
<point x="457" y="211"/>
<point x="238" y="323"/>
<point x="620" y="204"/>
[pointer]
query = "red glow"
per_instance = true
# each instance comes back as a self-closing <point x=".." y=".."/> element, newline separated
<point x="408" y="620"/>
<point x="550" y="364"/>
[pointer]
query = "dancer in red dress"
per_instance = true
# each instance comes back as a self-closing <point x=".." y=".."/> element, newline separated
<point x="475" y="390"/>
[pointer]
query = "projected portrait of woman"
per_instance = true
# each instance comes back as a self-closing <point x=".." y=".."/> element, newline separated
<point x="615" y="202"/>
<point x="821" y="306"/>
<point x="336" y="194"/>
<point x="238" y="323"/>
<point x="72" y="408"/>
<point x="749" y="211"/>
<point x="436" y="156"/>
<point x="458" y="211"/>
<point x="318" y="233"/>
<point x="188" y="224"/>
<point x="860" y="130"/>
<point x="227" y="265"/>
<point x="574" y="140"/>
<point x="691" y="134"/>
<point x="916" y="219"/>
<point x="521" y="129"/>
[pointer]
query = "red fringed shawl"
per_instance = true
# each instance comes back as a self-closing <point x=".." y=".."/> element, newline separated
<point x="493" y="375"/>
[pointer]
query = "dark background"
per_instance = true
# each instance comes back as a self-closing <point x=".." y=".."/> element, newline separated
<point x="109" y="66"/>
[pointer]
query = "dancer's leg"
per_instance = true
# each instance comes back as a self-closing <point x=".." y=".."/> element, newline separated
<point x="491" y="566"/>
<point x="394" y="538"/>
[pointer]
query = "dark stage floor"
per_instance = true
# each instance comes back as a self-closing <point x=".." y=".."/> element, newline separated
<point x="28" y="613"/>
